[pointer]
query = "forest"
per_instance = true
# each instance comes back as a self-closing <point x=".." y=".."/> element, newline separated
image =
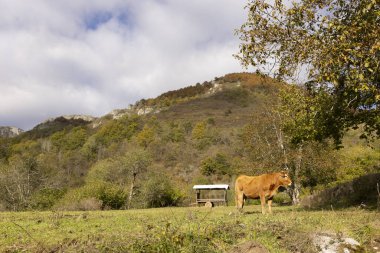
<point x="200" y="135"/>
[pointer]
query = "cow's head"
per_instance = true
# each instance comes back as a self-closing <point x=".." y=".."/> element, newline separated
<point x="284" y="179"/>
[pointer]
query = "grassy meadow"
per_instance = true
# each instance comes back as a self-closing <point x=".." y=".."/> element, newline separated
<point x="182" y="229"/>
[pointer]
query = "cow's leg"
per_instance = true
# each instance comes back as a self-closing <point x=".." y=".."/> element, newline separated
<point x="270" y="204"/>
<point x="262" y="199"/>
<point x="240" y="201"/>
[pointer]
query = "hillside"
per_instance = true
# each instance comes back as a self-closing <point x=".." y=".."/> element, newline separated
<point x="150" y="154"/>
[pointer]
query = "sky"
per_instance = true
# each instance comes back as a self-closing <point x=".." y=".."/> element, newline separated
<point x="89" y="57"/>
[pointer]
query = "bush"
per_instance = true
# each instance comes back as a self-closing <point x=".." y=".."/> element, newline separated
<point x="117" y="130"/>
<point x="282" y="198"/>
<point x="217" y="165"/>
<point x="199" y="131"/>
<point x="110" y="196"/>
<point x="46" y="198"/>
<point x="237" y="96"/>
<point x="146" y="136"/>
<point x="176" y="133"/>
<point x="211" y="121"/>
<point x="90" y="204"/>
<point x="159" y="192"/>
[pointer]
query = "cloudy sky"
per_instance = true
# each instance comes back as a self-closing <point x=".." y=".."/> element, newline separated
<point x="92" y="56"/>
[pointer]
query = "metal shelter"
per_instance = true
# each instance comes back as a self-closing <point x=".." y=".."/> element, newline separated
<point x="203" y="194"/>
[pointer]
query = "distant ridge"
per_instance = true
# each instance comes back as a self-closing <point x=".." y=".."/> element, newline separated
<point x="9" y="131"/>
<point x="88" y="118"/>
<point x="160" y="104"/>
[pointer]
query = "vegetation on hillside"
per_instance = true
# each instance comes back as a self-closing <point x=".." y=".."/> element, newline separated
<point x="153" y="160"/>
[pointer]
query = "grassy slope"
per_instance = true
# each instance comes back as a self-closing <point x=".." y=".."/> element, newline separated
<point x="180" y="229"/>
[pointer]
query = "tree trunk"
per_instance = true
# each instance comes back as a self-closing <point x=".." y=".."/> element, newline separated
<point x="295" y="190"/>
<point x="129" y="201"/>
<point x="295" y="194"/>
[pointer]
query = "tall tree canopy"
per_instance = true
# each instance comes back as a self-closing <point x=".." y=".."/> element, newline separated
<point x="335" y="42"/>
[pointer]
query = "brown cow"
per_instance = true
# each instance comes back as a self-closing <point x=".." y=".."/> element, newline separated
<point x="262" y="186"/>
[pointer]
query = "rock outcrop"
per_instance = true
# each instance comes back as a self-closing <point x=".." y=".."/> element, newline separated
<point x="9" y="132"/>
<point x="87" y="118"/>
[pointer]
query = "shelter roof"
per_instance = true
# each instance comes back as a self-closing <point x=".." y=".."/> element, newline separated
<point x="211" y="187"/>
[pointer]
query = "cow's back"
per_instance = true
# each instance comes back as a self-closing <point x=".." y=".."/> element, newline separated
<point x="250" y="186"/>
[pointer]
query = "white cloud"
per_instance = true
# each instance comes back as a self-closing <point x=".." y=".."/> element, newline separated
<point x="89" y="57"/>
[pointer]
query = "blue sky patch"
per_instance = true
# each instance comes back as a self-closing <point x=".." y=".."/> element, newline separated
<point x="94" y="20"/>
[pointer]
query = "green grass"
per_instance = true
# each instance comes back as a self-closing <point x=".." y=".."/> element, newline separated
<point x="180" y="229"/>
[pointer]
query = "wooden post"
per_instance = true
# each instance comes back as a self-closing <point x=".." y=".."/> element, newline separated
<point x="198" y="193"/>
<point x="378" y="197"/>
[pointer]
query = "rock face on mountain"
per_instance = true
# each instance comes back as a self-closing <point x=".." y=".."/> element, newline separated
<point x="87" y="118"/>
<point x="8" y="132"/>
<point x="118" y="113"/>
<point x="57" y="124"/>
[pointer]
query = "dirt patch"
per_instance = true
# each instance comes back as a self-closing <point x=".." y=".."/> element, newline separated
<point x="287" y="237"/>
<point x="375" y="245"/>
<point x="249" y="247"/>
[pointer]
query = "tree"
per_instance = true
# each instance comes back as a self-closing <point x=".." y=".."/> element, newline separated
<point x="134" y="163"/>
<point x="117" y="130"/>
<point x="283" y="138"/>
<point x="19" y="180"/>
<point x="335" y="42"/>
<point x="201" y="135"/>
<point x="216" y="165"/>
<point x="297" y="112"/>
<point x="146" y="136"/>
<point x="199" y="131"/>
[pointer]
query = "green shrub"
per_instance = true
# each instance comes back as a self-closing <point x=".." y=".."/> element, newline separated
<point x="118" y="130"/>
<point x="217" y="165"/>
<point x="188" y="127"/>
<point x="160" y="192"/>
<point x="176" y="133"/>
<point x="282" y="198"/>
<point x="46" y="198"/>
<point x="146" y="136"/>
<point x="69" y="140"/>
<point x="111" y="196"/>
<point x="238" y="96"/>
<point x="211" y="121"/>
<point x="199" y="131"/>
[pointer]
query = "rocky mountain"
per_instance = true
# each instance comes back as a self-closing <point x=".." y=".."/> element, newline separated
<point x="162" y="103"/>
<point x="8" y="132"/>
